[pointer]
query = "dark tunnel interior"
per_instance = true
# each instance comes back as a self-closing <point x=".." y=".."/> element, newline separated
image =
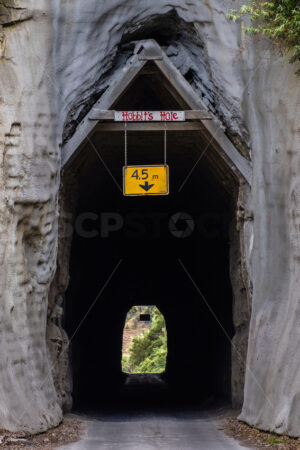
<point x="126" y="251"/>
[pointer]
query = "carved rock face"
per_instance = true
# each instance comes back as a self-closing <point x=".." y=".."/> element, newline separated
<point x="29" y="182"/>
<point x="56" y="60"/>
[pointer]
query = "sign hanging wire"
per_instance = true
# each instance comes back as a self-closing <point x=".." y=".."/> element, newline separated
<point x="165" y="144"/>
<point x="125" y="142"/>
<point x="126" y="146"/>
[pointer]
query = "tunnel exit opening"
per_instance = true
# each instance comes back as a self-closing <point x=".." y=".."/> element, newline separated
<point x="145" y="343"/>
<point x="182" y="250"/>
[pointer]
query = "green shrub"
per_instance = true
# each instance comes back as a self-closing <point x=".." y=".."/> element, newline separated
<point x="278" y="20"/>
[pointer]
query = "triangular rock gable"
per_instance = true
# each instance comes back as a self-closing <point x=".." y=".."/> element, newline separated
<point x="147" y="51"/>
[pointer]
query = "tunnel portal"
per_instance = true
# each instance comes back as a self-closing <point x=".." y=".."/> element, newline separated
<point x="170" y="251"/>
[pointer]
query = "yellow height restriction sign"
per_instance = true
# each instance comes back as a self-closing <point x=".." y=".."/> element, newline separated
<point x="146" y="180"/>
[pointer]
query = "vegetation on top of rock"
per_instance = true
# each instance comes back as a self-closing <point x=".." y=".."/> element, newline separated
<point x="277" y="19"/>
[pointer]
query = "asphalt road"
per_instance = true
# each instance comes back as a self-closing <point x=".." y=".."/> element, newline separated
<point x="184" y="431"/>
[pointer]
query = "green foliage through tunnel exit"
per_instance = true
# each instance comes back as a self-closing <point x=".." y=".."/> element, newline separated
<point x="144" y="341"/>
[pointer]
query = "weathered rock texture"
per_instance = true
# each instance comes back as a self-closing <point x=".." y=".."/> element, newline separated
<point x="29" y="174"/>
<point x="272" y="389"/>
<point x="253" y="91"/>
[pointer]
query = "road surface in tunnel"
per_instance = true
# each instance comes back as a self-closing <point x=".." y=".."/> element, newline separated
<point x="184" y="430"/>
<point x="165" y="424"/>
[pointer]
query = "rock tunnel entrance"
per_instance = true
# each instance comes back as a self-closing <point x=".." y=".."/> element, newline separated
<point x="140" y="233"/>
<point x="171" y="251"/>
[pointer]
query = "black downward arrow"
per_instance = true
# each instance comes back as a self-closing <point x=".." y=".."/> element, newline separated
<point x="146" y="186"/>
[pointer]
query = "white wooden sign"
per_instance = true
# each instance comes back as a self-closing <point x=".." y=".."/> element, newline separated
<point x="149" y="116"/>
